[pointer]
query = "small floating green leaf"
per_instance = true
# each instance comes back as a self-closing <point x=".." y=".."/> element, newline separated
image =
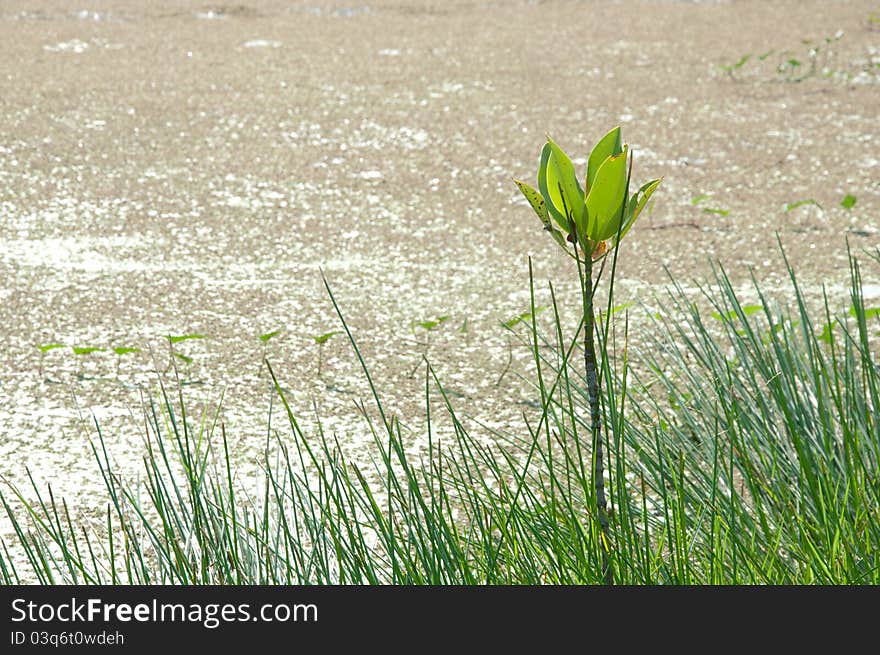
<point x="265" y="337"/>
<point x="430" y="325"/>
<point x="748" y="310"/>
<point x="826" y="332"/>
<point x="742" y="61"/>
<point x="620" y="308"/>
<point x="122" y="350"/>
<point x="848" y="202"/>
<point x="184" y="337"/>
<point x="525" y="317"/>
<point x="50" y="346"/>
<point x="800" y="203"/>
<point x="870" y="313"/>
<point x="86" y="350"/>
<point x="324" y="338"/>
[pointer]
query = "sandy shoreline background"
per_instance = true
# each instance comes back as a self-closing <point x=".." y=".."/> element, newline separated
<point x="188" y="168"/>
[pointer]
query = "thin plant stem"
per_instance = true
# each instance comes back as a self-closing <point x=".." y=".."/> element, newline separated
<point x="590" y="368"/>
<point x="509" y="361"/>
<point x="585" y="274"/>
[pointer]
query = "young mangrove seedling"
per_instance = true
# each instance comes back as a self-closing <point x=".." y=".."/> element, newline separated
<point x="321" y="339"/>
<point x="731" y="69"/>
<point x="709" y="210"/>
<point x="509" y="325"/>
<point x="264" y="339"/>
<point x="80" y="351"/>
<point x="44" y="348"/>
<point x="174" y="339"/>
<point x="428" y="327"/>
<point x="120" y="351"/>
<point x="587" y="223"/>
<point x="806" y="202"/>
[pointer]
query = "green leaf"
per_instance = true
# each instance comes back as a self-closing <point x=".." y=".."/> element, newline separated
<point x="608" y="146"/>
<point x="184" y="337"/>
<point x="50" y="346"/>
<point x="742" y="61"/>
<point x="464" y="326"/>
<point x="869" y="312"/>
<point x="800" y="203"/>
<point x="716" y="210"/>
<point x="536" y="200"/>
<point x="562" y="190"/>
<point x="122" y="350"/>
<point x="324" y="338"/>
<point x="430" y="325"/>
<point x="617" y="308"/>
<point x="525" y="317"/>
<point x="696" y="200"/>
<point x="184" y="358"/>
<point x="265" y="337"/>
<point x="748" y="310"/>
<point x="794" y="63"/>
<point x="557" y="214"/>
<point x="637" y="202"/>
<point x="764" y="56"/>
<point x="86" y="350"/>
<point x="606" y="198"/>
<point x="826" y="335"/>
<point x="848" y="202"/>
<point x="779" y="328"/>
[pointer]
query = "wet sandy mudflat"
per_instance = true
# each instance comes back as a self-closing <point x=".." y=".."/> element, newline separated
<point x="175" y="168"/>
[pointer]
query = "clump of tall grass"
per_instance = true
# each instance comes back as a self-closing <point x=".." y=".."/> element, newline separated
<point x="765" y="436"/>
<point x="743" y="450"/>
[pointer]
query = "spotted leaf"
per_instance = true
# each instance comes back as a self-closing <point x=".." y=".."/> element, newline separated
<point x="536" y="200"/>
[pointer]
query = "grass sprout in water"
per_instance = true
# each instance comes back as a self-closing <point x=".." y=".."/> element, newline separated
<point x="45" y="348"/>
<point x="174" y="354"/>
<point x="320" y="340"/>
<point x="265" y="339"/>
<point x="427" y="326"/>
<point x="80" y="352"/>
<point x="120" y="352"/>
<point x="509" y="325"/>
